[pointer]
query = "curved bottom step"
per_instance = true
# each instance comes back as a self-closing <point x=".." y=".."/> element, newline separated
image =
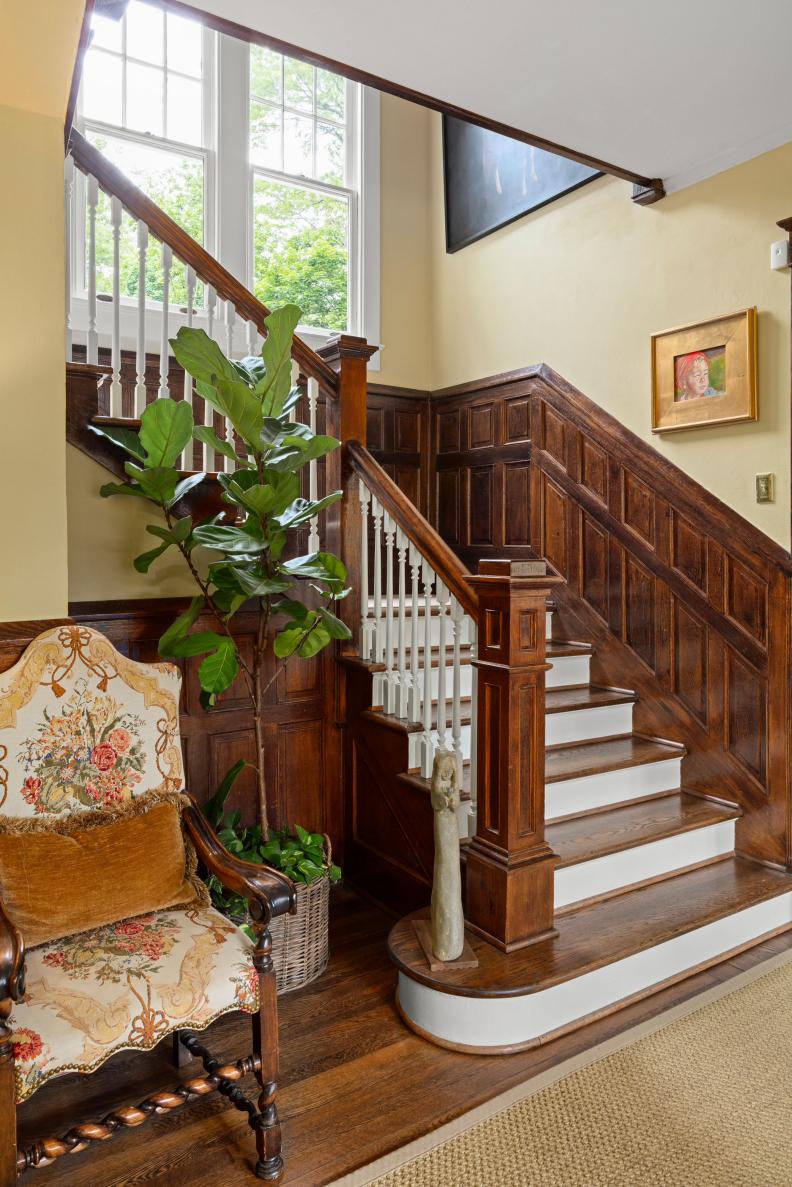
<point x="511" y="1002"/>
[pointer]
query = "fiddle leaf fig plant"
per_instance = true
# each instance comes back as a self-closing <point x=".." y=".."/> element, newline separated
<point x="295" y="598"/>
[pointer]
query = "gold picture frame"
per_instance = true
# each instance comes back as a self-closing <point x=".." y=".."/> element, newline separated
<point x="705" y="374"/>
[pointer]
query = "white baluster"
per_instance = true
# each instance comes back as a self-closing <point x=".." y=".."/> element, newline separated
<point x="376" y="515"/>
<point x="313" y="400"/>
<point x="414" y="712"/>
<point x="252" y="339"/>
<point x="457" y="622"/>
<point x="473" y="730"/>
<point x="167" y="262"/>
<point x="211" y="310"/>
<point x="68" y="194"/>
<point x="366" y="624"/>
<point x="402" y="688"/>
<point x="188" y="457"/>
<point x="427" y="747"/>
<point x="116" y="399"/>
<point x="92" y="347"/>
<point x="230" y="322"/>
<point x="390" y="531"/>
<point x="442" y="701"/>
<point x="140" y="386"/>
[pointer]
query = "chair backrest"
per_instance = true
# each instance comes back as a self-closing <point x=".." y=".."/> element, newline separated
<point x="84" y="728"/>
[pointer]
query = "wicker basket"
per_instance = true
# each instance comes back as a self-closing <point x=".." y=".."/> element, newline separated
<point x="300" y="947"/>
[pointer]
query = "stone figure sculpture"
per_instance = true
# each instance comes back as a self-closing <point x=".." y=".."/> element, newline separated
<point x="448" y="924"/>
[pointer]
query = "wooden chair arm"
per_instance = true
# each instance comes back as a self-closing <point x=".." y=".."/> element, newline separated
<point x="271" y="891"/>
<point x="12" y="965"/>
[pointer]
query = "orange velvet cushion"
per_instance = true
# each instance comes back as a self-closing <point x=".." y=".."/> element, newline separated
<point x="55" y="884"/>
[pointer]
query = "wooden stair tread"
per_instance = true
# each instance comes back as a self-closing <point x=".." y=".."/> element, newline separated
<point x="600" y="933"/>
<point x="585" y="838"/>
<point x="558" y="647"/>
<point x="587" y="696"/>
<point x="580" y="759"/>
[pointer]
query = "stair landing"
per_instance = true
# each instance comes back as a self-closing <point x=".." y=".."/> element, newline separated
<point x="605" y="955"/>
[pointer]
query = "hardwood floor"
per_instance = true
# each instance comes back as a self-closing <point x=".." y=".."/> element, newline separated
<point x="355" y="1083"/>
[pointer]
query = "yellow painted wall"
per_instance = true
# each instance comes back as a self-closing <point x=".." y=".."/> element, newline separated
<point x="583" y="283"/>
<point x="37" y="51"/>
<point x="405" y="238"/>
<point x="32" y="377"/>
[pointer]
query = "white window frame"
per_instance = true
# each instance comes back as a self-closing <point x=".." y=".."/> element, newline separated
<point x="228" y="175"/>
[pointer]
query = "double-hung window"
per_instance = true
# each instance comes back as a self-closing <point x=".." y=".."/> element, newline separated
<point x="271" y="163"/>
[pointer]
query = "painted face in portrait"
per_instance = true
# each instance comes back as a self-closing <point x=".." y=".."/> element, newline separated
<point x="693" y="376"/>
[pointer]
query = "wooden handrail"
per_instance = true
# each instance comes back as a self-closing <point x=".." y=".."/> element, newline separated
<point x="114" y="182"/>
<point x="419" y="531"/>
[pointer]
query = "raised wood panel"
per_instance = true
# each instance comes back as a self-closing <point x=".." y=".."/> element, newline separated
<point x="481" y="510"/>
<point x="638" y="507"/>
<point x="746" y="717"/>
<point x="375" y="429"/>
<point x="301" y="760"/>
<point x="554" y="534"/>
<point x="594" y="470"/>
<point x="407" y="426"/>
<point x="688" y="551"/>
<point x="226" y="749"/>
<point x="594" y="566"/>
<point x="746" y="600"/>
<point x="689" y="662"/>
<point x="398" y="438"/>
<point x="481" y="425"/>
<point x="639" y="611"/>
<point x="448" y="505"/>
<point x="553" y="434"/>
<point x="518" y="419"/>
<point x="516" y="504"/>
<point x="448" y="431"/>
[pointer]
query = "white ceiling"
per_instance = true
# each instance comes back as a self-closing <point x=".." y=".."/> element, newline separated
<point x="678" y="90"/>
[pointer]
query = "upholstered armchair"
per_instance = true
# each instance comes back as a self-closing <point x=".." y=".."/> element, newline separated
<point x="108" y="941"/>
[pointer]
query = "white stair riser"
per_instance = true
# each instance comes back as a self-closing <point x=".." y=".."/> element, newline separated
<point x="578" y="725"/>
<point x="510" y="1021"/>
<point x="611" y="787"/>
<point x="567" y="670"/>
<point x="602" y="875"/>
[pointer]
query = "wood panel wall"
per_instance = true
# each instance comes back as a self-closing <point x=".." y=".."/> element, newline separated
<point x="397" y="434"/>
<point x="696" y="598"/>
<point x="480" y="465"/>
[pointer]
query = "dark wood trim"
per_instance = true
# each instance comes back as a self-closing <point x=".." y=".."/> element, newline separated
<point x="82" y="46"/>
<point x="394" y="391"/>
<point x="443" y="559"/>
<point x="232" y="29"/>
<point x="786" y="225"/>
<point x="114" y="182"/>
<point x="476" y="386"/>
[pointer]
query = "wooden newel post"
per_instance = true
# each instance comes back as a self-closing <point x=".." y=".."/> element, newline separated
<point x="510" y="865"/>
<point x="346" y="420"/>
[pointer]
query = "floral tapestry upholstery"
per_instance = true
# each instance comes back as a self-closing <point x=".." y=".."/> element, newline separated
<point x="83" y="728"/>
<point x="127" y="986"/>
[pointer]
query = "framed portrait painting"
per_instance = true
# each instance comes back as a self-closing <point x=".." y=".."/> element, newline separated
<point x="705" y="374"/>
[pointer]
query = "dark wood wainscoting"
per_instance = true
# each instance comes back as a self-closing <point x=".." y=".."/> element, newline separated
<point x="397" y="434"/>
<point x="480" y="452"/>
<point x="303" y="742"/>
<point x="681" y="593"/>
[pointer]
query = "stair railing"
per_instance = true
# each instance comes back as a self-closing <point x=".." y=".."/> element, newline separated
<point x="231" y="315"/>
<point x="408" y="568"/>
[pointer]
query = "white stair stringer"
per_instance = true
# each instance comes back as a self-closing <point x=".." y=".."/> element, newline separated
<point x="522" y="1019"/>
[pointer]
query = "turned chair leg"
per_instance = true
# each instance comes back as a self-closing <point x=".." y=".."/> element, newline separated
<point x="181" y="1056"/>
<point x="8" y="1136"/>
<point x="265" y="1044"/>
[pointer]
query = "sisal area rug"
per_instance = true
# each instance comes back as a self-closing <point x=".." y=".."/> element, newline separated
<point x="699" y="1097"/>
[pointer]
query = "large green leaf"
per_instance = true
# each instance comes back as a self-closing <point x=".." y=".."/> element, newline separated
<point x="228" y="539"/>
<point x="158" y="483"/>
<point x="296" y="451"/>
<point x="144" y="561"/>
<point x="218" y="671"/>
<point x="165" y="428"/>
<point x="182" y="626"/>
<point x="260" y="585"/>
<point x="175" y="535"/>
<point x="122" y="488"/>
<point x="128" y="439"/>
<point x="322" y="566"/>
<point x="201" y="357"/>
<point x="207" y="436"/>
<point x="213" y="808"/>
<point x="302" y="510"/>
<point x="197" y="644"/>
<point x="276" y="353"/>
<point x="336" y="629"/>
<point x="235" y="400"/>
<point x="184" y="486"/>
